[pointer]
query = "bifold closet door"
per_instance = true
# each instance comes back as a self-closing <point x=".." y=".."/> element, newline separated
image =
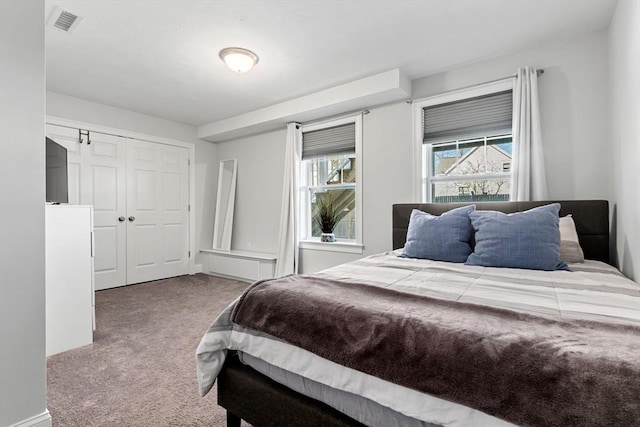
<point x="97" y="176"/>
<point x="140" y="194"/>
<point x="104" y="187"/>
<point x="157" y="211"/>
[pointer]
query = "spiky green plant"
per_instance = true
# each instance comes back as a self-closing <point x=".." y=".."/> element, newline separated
<point x="327" y="214"/>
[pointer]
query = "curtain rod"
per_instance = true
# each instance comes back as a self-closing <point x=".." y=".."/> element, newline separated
<point x="539" y="72"/>
<point x="332" y="118"/>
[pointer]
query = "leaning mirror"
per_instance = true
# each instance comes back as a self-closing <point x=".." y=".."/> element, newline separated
<point x="226" y="198"/>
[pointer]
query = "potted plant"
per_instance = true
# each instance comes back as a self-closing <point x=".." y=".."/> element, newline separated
<point x="326" y="218"/>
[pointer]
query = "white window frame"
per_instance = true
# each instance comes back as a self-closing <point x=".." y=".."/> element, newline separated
<point x="307" y="241"/>
<point x="421" y="167"/>
<point x="427" y="154"/>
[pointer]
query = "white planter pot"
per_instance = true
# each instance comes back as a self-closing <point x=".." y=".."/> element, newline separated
<point x="328" y="237"/>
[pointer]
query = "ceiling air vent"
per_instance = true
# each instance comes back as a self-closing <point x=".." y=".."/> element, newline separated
<point x="63" y="20"/>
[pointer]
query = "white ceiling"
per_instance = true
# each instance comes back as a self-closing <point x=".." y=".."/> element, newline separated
<point x="161" y="57"/>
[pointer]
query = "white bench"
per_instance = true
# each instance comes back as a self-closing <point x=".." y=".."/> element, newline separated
<point x="242" y="265"/>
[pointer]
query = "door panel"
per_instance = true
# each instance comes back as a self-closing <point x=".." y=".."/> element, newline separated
<point x="145" y="185"/>
<point x="171" y="187"/>
<point x="175" y="210"/>
<point x="144" y="254"/>
<point x="106" y="253"/>
<point x="103" y="147"/>
<point x="104" y="187"/>
<point x="73" y="174"/>
<point x="96" y="173"/>
<point x="158" y="199"/>
<point x="173" y="235"/>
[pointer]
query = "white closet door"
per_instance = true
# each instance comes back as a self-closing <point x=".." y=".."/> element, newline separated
<point x="157" y="211"/>
<point x="103" y="185"/>
<point x="97" y="177"/>
<point x="130" y="179"/>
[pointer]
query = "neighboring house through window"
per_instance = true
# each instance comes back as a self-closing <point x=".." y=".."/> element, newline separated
<point x="465" y="141"/>
<point x="330" y="174"/>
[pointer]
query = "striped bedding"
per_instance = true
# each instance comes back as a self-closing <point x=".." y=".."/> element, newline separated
<point x="592" y="291"/>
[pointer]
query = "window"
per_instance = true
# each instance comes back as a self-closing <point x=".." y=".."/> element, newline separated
<point x="470" y="170"/>
<point x="465" y="140"/>
<point x="330" y="175"/>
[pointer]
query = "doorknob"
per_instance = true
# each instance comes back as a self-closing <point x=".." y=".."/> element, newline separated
<point x="132" y="218"/>
<point x="121" y="218"/>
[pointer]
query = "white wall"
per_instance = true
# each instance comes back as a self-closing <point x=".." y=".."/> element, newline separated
<point x="624" y="79"/>
<point x="206" y="158"/>
<point x="574" y="103"/>
<point x="387" y="179"/>
<point x="22" y="292"/>
<point x="258" y="189"/>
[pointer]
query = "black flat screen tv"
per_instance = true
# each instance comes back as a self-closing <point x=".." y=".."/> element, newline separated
<point x="57" y="181"/>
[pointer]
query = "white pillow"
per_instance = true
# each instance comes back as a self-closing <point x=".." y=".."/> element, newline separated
<point x="570" y="250"/>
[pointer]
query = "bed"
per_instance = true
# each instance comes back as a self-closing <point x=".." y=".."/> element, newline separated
<point x="270" y="374"/>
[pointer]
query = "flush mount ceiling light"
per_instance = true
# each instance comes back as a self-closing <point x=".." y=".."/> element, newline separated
<point x="238" y="59"/>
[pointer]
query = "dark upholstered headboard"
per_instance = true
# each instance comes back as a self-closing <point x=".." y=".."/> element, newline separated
<point x="591" y="218"/>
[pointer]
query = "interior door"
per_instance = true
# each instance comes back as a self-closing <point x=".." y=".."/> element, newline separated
<point x="96" y="165"/>
<point x="140" y="194"/>
<point x="157" y="211"/>
<point x="103" y="185"/>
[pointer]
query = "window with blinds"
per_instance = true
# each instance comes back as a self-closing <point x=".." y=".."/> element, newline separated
<point x="467" y="149"/>
<point x="487" y="115"/>
<point x="329" y="171"/>
<point x="329" y="141"/>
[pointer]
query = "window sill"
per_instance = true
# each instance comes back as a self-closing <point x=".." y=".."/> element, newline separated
<point x="338" y="246"/>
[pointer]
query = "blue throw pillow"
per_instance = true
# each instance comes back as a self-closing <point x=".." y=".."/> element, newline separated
<point x="440" y="238"/>
<point x="529" y="239"/>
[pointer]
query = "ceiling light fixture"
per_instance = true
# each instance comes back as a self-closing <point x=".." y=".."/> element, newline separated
<point x="238" y="59"/>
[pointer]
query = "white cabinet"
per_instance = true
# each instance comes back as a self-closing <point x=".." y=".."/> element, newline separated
<point x="70" y="306"/>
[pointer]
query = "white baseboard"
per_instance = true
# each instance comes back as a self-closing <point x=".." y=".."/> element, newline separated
<point x="227" y="276"/>
<point x="197" y="268"/>
<point x="41" y="420"/>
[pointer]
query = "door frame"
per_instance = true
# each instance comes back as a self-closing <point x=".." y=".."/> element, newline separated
<point x="58" y="121"/>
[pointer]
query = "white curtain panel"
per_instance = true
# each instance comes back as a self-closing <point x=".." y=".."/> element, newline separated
<point x="528" y="178"/>
<point x="287" y="262"/>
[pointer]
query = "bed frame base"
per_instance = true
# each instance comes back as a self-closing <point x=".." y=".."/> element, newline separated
<point x="263" y="402"/>
<point x="233" y="420"/>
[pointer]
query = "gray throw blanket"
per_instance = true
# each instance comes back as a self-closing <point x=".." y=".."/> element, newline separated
<point x="526" y="369"/>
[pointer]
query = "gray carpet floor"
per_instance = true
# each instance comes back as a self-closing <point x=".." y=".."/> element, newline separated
<point x="140" y="370"/>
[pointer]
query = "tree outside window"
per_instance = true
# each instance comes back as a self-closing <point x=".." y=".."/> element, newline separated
<point x="471" y="170"/>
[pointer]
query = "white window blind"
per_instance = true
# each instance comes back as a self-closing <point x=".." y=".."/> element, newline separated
<point x="487" y="115"/>
<point x="329" y="141"/>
